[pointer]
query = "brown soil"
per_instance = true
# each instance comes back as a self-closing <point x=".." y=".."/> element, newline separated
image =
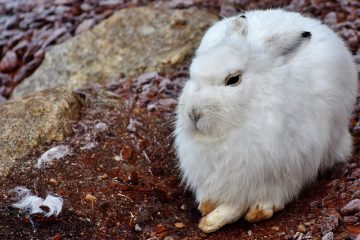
<point x="131" y="168"/>
<point x="132" y="174"/>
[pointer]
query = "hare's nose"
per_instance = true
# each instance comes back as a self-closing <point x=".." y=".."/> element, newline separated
<point x="195" y="115"/>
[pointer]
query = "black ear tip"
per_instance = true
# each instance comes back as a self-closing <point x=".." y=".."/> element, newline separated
<point x="306" y="34"/>
<point x="242" y="16"/>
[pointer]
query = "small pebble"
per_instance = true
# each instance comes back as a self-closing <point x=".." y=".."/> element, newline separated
<point x="301" y="228"/>
<point x="352" y="207"/>
<point x="160" y="228"/>
<point x="57" y="237"/>
<point x="2" y="99"/>
<point x="179" y="225"/>
<point x="54" y="181"/>
<point x="169" y="238"/>
<point x="309" y="223"/>
<point x="102" y="177"/>
<point x="101" y="127"/>
<point x="356" y="194"/>
<point x="276" y="228"/>
<point x="351" y="219"/>
<point x="298" y="236"/>
<point x="85" y="25"/>
<point x="138" y="228"/>
<point x="91" y="198"/>
<point x="126" y="152"/>
<point x="316" y="204"/>
<point x="329" y="223"/>
<point x="328" y="236"/>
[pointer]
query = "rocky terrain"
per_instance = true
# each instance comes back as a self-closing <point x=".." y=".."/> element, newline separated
<point x="101" y="78"/>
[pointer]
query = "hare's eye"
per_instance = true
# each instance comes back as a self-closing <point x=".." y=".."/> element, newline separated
<point x="233" y="79"/>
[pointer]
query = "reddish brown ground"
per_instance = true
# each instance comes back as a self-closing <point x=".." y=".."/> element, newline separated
<point x="132" y="174"/>
<point x="132" y="170"/>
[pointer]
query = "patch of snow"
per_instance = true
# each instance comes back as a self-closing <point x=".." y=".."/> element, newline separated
<point x="32" y="204"/>
<point x="52" y="154"/>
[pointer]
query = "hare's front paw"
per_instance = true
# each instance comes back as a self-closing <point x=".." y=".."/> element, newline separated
<point x="221" y="215"/>
<point x="261" y="211"/>
<point x="206" y="206"/>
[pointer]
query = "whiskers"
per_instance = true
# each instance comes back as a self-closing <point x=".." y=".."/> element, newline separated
<point x="215" y="126"/>
<point x="167" y="126"/>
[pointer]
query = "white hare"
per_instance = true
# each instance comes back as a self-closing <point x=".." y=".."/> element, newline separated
<point x="265" y="109"/>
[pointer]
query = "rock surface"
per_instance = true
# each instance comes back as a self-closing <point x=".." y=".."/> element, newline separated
<point x="118" y="45"/>
<point x="33" y="120"/>
<point x="351" y="207"/>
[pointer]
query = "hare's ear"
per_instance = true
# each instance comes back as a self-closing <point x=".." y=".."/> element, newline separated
<point x="240" y="25"/>
<point x="288" y="43"/>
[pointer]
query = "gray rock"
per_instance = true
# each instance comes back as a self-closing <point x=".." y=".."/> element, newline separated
<point x="328" y="236"/>
<point x="33" y="120"/>
<point x="298" y="236"/>
<point x="351" y="219"/>
<point x="352" y="207"/>
<point x="329" y="224"/>
<point x="2" y="99"/>
<point x="131" y="42"/>
<point x="356" y="194"/>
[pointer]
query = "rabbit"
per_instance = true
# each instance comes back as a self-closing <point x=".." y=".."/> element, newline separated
<point x="265" y="109"/>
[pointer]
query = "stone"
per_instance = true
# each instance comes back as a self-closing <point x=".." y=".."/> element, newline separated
<point x="33" y="120"/>
<point x="90" y="198"/>
<point x="329" y="224"/>
<point x="132" y="42"/>
<point x="356" y="194"/>
<point x="2" y="99"/>
<point x="301" y="228"/>
<point x="352" y="207"/>
<point x="328" y="236"/>
<point x="179" y="225"/>
<point x="351" y="219"/>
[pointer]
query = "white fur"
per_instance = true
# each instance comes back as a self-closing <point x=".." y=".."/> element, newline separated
<point x="52" y="154"/>
<point x="263" y="140"/>
<point x="31" y="203"/>
<point x="54" y="204"/>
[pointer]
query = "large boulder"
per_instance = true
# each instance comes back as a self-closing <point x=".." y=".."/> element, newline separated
<point x="33" y="120"/>
<point x="131" y="42"/>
